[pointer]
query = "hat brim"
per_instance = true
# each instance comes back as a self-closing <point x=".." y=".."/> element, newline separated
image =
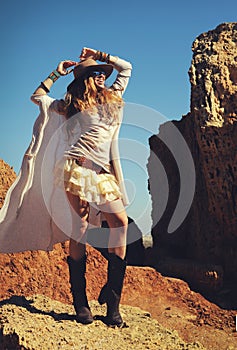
<point x="107" y="68"/>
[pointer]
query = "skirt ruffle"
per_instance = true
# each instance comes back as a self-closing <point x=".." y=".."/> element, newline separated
<point x="86" y="183"/>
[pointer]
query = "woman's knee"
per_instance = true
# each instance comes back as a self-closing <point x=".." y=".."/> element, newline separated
<point x="120" y="221"/>
<point x="123" y="221"/>
<point x="117" y="219"/>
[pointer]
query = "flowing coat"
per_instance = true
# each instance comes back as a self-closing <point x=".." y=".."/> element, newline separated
<point x="36" y="213"/>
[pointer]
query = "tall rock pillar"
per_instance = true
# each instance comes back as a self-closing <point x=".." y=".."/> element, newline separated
<point x="209" y="232"/>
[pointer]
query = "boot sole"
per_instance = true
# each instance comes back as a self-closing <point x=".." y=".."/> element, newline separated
<point x="83" y="321"/>
<point x="84" y="315"/>
<point x="117" y="325"/>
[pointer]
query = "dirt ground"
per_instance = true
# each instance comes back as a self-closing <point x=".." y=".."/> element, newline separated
<point x="175" y="306"/>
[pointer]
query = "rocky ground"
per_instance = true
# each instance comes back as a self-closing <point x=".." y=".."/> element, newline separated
<point x="40" y="323"/>
<point x="179" y="317"/>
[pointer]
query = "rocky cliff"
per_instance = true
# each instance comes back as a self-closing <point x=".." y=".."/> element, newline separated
<point x="7" y="176"/>
<point x="208" y="235"/>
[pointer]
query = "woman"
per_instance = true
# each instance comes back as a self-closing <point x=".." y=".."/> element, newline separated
<point x="98" y="110"/>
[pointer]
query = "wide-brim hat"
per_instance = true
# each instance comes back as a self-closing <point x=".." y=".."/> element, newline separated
<point x="89" y="65"/>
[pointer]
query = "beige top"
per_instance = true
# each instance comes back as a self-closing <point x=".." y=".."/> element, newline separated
<point x="97" y="129"/>
<point x="95" y="140"/>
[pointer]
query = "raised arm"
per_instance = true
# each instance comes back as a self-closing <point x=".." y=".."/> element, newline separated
<point x="123" y="67"/>
<point x="86" y="53"/>
<point x="46" y="85"/>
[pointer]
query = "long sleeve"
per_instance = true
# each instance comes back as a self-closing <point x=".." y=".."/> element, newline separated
<point x="124" y="69"/>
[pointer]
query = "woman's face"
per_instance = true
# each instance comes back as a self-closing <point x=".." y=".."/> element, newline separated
<point x="99" y="79"/>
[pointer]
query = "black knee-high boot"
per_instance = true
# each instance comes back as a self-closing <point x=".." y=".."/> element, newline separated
<point x="77" y="271"/>
<point x="112" y="290"/>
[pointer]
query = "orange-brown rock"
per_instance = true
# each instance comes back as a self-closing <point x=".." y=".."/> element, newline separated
<point x="7" y="176"/>
<point x="208" y="235"/>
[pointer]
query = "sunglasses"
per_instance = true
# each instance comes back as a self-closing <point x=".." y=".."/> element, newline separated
<point x="97" y="73"/>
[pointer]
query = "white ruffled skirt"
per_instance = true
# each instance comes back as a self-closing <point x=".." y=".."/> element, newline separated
<point x="86" y="183"/>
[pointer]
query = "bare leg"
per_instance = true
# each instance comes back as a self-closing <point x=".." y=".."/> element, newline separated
<point x="76" y="248"/>
<point x="117" y="220"/>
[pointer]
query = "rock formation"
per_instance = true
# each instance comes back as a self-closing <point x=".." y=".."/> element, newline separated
<point x="208" y="235"/>
<point x="7" y="176"/>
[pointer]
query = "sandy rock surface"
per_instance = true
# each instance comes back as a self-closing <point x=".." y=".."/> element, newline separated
<point x="40" y="323"/>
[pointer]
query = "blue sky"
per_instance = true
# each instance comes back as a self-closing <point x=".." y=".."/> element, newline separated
<point x="155" y="36"/>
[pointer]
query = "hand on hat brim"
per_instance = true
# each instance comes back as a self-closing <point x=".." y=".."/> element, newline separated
<point x="87" y="52"/>
<point x="63" y="65"/>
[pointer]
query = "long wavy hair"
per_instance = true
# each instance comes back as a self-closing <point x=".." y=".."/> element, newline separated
<point x="83" y="95"/>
